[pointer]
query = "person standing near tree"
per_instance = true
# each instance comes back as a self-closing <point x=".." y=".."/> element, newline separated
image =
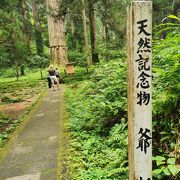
<point x="57" y="75"/>
<point x="52" y="75"/>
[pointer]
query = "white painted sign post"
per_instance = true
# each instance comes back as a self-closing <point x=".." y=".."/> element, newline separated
<point x="139" y="36"/>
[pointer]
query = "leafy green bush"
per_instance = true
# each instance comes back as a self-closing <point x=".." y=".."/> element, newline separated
<point x="8" y="99"/>
<point x="37" y="61"/>
<point x="165" y="167"/>
<point x="4" y="120"/>
<point x="105" y="95"/>
<point x="99" y="131"/>
<point x="109" y="54"/>
<point x="166" y="100"/>
<point x="77" y="57"/>
<point x="7" y="73"/>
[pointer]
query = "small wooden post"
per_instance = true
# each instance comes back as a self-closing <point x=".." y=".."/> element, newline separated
<point x="139" y="36"/>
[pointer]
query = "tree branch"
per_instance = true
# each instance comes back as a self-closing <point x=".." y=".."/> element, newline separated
<point x="2" y="42"/>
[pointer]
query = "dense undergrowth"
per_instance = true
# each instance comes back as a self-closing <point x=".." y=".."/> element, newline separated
<point x="98" y="124"/>
<point x="166" y="101"/>
<point x="97" y="110"/>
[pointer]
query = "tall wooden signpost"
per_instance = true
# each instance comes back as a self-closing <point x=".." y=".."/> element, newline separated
<point x="139" y="36"/>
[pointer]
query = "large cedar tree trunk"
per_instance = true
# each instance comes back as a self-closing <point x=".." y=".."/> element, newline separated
<point x="57" y="33"/>
<point x="93" y="32"/>
<point x="89" y="62"/>
<point x="37" y="28"/>
<point x="25" y="23"/>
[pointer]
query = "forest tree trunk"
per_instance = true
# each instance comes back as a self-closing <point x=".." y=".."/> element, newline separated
<point x="105" y="25"/>
<point x="93" y="32"/>
<point x="57" y="33"/>
<point x="25" y="23"/>
<point x="89" y="62"/>
<point x="104" y="36"/>
<point x="105" y="32"/>
<point x="72" y="30"/>
<point x="14" y="56"/>
<point x="37" y="28"/>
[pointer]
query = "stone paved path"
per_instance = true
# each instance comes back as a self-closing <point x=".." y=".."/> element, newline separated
<point x="34" y="154"/>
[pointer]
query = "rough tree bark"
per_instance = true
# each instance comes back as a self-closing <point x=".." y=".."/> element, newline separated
<point x="105" y="25"/>
<point x="104" y="36"/>
<point x="93" y="32"/>
<point x="105" y="32"/>
<point x="72" y="29"/>
<point x="25" y="23"/>
<point x="89" y="62"/>
<point x="37" y="27"/>
<point x="57" y="33"/>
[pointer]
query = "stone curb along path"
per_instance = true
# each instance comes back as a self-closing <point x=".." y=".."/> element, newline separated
<point x="34" y="153"/>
